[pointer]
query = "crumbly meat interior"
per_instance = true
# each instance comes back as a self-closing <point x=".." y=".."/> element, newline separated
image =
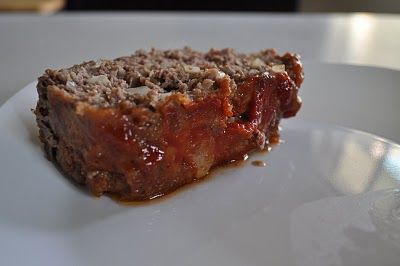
<point x="146" y="78"/>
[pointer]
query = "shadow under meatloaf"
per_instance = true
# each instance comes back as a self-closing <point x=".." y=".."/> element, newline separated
<point x="142" y="147"/>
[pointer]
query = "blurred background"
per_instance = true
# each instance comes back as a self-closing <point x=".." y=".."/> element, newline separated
<point x="52" y="6"/>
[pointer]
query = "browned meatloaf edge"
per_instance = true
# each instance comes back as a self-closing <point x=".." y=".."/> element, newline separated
<point x="141" y="126"/>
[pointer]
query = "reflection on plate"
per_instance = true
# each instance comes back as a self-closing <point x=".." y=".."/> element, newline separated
<point x="324" y="198"/>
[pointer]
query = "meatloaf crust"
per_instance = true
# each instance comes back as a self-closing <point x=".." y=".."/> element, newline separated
<point x="141" y="126"/>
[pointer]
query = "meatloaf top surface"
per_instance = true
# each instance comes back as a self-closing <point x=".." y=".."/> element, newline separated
<point x="148" y="77"/>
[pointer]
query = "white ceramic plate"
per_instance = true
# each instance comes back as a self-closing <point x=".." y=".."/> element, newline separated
<point x="326" y="197"/>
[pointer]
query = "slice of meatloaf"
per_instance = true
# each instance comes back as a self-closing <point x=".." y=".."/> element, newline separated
<point x="141" y="126"/>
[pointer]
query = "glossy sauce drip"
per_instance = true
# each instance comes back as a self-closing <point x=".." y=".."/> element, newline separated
<point x="258" y="163"/>
<point x="274" y="137"/>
